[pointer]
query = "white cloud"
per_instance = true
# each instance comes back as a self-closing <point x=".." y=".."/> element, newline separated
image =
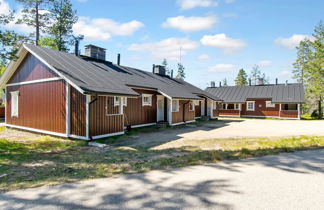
<point x="4" y="7"/>
<point x="264" y="63"/>
<point x="229" y="1"/>
<point x="190" y="24"/>
<point x="203" y="57"/>
<point x="293" y="41"/>
<point x="222" y="68"/>
<point x="221" y="41"/>
<point x="285" y="75"/>
<point x="104" y="28"/>
<point x="167" y="48"/>
<point x="190" y="4"/>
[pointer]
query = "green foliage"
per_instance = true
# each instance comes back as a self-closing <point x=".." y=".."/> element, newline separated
<point x="309" y="65"/>
<point x="241" y="78"/>
<point x="63" y="17"/>
<point x="225" y="82"/>
<point x="181" y="74"/>
<point x="257" y="74"/>
<point x="35" y="14"/>
<point x="165" y="64"/>
<point x="48" y="42"/>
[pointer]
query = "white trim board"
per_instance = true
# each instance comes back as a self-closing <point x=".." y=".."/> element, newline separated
<point x="37" y="130"/>
<point x="142" y="125"/>
<point x="180" y="123"/>
<point x="108" y="135"/>
<point x="35" y="81"/>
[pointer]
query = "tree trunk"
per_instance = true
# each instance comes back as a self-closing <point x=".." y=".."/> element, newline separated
<point x="320" y="108"/>
<point x="37" y="22"/>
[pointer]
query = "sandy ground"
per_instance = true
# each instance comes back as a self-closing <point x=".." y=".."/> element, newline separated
<point x="229" y="128"/>
<point x="285" y="181"/>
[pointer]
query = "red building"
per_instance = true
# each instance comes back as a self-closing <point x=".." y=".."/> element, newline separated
<point x="276" y="101"/>
<point x="87" y="97"/>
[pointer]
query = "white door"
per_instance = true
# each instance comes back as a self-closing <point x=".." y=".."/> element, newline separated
<point x="160" y="108"/>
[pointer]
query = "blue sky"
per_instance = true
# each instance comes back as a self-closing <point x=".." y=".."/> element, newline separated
<point x="216" y="37"/>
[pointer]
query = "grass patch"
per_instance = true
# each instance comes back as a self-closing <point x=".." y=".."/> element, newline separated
<point x="49" y="160"/>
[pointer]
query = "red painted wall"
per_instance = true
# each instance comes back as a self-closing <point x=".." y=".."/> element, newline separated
<point x="261" y="109"/>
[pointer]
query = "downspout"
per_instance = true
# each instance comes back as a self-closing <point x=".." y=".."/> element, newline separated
<point x="89" y="114"/>
<point x="183" y="110"/>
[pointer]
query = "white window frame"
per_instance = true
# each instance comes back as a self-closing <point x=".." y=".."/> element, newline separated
<point x="175" y="103"/>
<point x="117" y="100"/>
<point x="14" y="106"/>
<point x="124" y="100"/>
<point x="237" y="106"/>
<point x="196" y="102"/>
<point x="149" y="103"/>
<point x="247" y="105"/>
<point x="214" y="105"/>
<point x="192" y="106"/>
<point x="269" y="104"/>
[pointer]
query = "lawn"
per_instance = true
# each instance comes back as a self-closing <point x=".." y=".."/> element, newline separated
<point x="46" y="160"/>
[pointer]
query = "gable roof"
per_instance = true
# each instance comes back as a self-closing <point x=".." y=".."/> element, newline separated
<point x="91" y="76"/>
<point x="282" y="93"/>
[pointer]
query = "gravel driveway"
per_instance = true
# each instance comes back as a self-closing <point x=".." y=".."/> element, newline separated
<point x="228" y="128"/>
<point x="285" y="181"/>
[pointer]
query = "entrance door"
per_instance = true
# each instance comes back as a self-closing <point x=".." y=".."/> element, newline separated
<point x="160" y="108"/>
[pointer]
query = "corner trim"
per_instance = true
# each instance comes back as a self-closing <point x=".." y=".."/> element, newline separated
<point x="35" y="81"/>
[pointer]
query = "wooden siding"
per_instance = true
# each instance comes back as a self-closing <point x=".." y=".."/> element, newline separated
<point x="198" y="110"/>
<point x="136" y="114"/>
<point x="31" y="69"/>
<point x="110" y="108"/>
<point x="100" y="122"/>
<point x="177" y="117"/>
<point x="78" y="112"/>
<point x="2" y="111"/>
<point x="289" y="113"/>
<point x="229" y="112"/>
<point x="40" y="106"/>
<point x="260" y="109"/>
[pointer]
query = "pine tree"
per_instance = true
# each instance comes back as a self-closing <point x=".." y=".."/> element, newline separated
<point x="255" y="74"/>
<point x="165" y="64"/>
<point x="181" y="74"/>
<point x="35" y="14"/>
<point x="63" y="17"/>
<point x="225" y="82"/>
<point x="241" y="78"/>
<point x="303" y="51"/>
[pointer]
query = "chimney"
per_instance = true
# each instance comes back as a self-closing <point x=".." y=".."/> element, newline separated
<point x="250" y="82"/>
<point x="158" y="69"/>
<point x="220" y="84"/>
<point x="95" y="52"/>
<point x="212" y="84"/>
<point x="260" y="81"/>
<point x="171" y="73"/>
<point x="286" y="82"/>
<point x="118" y="59"/>
<point x="276" y="81"/>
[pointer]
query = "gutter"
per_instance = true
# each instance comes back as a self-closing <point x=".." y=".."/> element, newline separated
<point x="89" y="125"/>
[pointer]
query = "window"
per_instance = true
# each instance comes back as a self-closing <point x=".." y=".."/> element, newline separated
<point x="196" y="102"/>
<point x="124" y="100"/>
<point x="146" y="100"/>
<point x="14" y="103"/>
<point x="214" y="105"/>
<point x="116" y="101"/>
<point x="237" y="106"/>
<point x="289" y="107"/>
<point x="224" y="106"/>
<point x="230" y="106"/>
<point x="250" y="105"/>
<point x="175" y="105"/>
<point x="191" y="106"/>
<point x="269" y="104"/>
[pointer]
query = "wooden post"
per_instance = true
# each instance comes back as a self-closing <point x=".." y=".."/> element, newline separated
<point x="298" y="107"/>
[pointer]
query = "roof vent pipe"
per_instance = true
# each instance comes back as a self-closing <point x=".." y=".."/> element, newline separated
<point x="276" y="81"/>
<point x="171" y="73"/>
<point x="118" y="59"/>
<point x="212" y="84"/>
<point x="286" y="82"/>
<point x="220" y="84"/>
<point x="250" y="82"/>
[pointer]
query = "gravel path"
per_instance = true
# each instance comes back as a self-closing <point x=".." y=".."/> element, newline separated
<point x="285" y="181"/>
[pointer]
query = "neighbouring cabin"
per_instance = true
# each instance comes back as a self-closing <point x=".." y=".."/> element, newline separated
<point x="52" y="92"/>
<point x="277" y="101"/>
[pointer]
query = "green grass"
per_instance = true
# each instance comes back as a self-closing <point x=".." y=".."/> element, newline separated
<point x="48" y="160"/>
